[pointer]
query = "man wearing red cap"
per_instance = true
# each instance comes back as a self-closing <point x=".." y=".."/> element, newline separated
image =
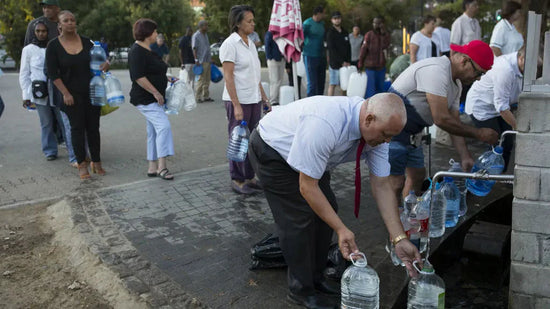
<point x="431" y="92"/>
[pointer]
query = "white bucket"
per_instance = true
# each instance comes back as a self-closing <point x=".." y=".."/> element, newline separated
<point x="265" y="85"/>
<point x="357" y="85"/>
<point x="286" y="95"/>
<point x="345" y="73"/>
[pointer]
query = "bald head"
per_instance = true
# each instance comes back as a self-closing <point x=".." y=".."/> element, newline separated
<point x="387" y="106"/>
<point x="382" y="117"/>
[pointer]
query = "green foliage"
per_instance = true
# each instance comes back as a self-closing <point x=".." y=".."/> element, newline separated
<point x="14" y="17"/>
<point x="112" y="19"/>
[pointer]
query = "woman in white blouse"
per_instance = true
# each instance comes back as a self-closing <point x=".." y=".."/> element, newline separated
<point x="425" y="43"/>
<point x="505" y="38"/>
<point x="34" y="88"/>
<point x="243" y="93"/>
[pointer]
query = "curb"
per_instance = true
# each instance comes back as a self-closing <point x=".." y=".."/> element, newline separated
<point x="115" y="251"/>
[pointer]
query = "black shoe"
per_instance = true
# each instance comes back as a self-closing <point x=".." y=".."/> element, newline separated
<point x="311" y="301"/>
<point x="327" y="288"/>
<point x="51" y="157"/>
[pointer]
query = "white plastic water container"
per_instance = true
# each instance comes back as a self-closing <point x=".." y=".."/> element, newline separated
<point x="97" y="57"/>
<point x="427" y="291"/>
<point x="301" y="68"/>
<point x="113" y="89"/>
<point x="345" y="73"/>
<point x="360" y="285"/>
<point x="265" y="85"/>
<point x="286" y="95"/>
<point x="97" y="90"/>
<point x="357" y="85"/>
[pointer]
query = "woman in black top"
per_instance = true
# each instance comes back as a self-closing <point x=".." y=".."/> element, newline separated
<point x="148" y="75"/>
<point x="68" y="65"/>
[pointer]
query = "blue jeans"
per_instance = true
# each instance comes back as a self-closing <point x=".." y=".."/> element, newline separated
<point x="47" y="115"/>
<point x="316" y="71"/>
<point x="375" y="81"/>
<point x="67" y="136"/>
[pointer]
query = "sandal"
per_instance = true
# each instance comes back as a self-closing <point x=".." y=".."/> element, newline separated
<point x="151" y="174"/>
<point x="83" y="171"/>
<point x="165" y="174"/>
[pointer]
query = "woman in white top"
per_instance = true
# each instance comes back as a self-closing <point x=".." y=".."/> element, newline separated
<point x="243" y="93"/>
<point x="425" y="43"/>
<point x="31" y="75"/>
<point x="505" y="38"/>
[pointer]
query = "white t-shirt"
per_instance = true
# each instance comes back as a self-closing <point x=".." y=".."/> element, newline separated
<point x="465" y="30"/>
<point x="247" y="74"/>
<point x="432" y="76"/>
<point x="506" y="37"/>
<point x="425" y="45"/>
<point x="494" y="92"/>
<point x="316" y="134"/>
<point x="444" y="35"/>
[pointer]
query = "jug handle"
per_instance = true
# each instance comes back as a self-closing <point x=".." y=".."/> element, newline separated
<point x="357" y="254"/>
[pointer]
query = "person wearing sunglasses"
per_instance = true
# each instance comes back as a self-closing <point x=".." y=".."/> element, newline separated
<point x="431" y="91"/>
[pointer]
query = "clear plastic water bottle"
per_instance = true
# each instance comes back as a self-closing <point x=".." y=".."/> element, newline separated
<point x="410" y="201"/>
<point x="452" y="195"/>
<point x="423" y="217"/>
<point x="360" y="285"/>
<point x="493" y="163"/>
<point x="97" y="90"/>
<point x="237" y="148"/>
<point x="414" y="229"/>
<point x="98" y="56"/>
<point x="427" y="291"/>
<point x="461" y="185"/>
<point x="437" y="213"/>
<point x="113" y="89"/>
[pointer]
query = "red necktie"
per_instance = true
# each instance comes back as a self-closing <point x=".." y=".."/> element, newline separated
<point x="358" y="177"/>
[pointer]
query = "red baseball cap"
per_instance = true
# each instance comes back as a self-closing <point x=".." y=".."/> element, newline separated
<point x="478" y="51"/>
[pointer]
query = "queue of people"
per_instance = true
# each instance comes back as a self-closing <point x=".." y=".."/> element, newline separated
<point x="293" y="148"/>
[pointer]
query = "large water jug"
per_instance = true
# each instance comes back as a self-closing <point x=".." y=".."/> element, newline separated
<point x="452" y="195"/>
<point x="113" y="89"/>
<point x="97" y="90"/>
<point x="345" y="73"/>
<point x="175" y="97"/>
<point x="357" y="85"/>
<point x="286" y="95"/>
<point x="238" y="143"/>
<point x="359" y="285"/>
<point x="98" y="56"/>
<point x="427" y="291"/>
<point x="461" y="185"/>
<point x="493" y="163"/>
<point x="437" y="213"/>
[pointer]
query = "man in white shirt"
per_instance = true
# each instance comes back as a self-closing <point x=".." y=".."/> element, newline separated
<point x="490" y="98"/>
<point x="466" y="28"/>
<point x="293" y="150"/>
<point x="431" y="90"/>
<point x="444" y="36"/>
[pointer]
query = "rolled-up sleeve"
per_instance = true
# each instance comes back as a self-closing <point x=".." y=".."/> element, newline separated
<point x="502" y="91"/>
<point x="377" y="160"/>
<point x="498" y="38"/>
<point x="311" y="149"/>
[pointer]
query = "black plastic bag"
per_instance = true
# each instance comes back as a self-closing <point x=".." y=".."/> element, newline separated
<point x="267" y="248"/>
<point x="336" y="264"/>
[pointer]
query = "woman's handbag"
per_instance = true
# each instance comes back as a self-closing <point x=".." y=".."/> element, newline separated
<point x="39" y="89"/>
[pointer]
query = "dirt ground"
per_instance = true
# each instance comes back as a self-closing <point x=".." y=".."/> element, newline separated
<point x="35" y="268"/>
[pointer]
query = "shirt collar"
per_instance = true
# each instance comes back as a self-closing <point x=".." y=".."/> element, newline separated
<point x="510" y="25"/>
<point x="467" y="17"/>
<point x="237" y="38"/>
<point x="512" y="58"/>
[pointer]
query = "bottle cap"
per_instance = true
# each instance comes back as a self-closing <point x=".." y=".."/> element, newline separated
<point x="437" y="185"/>
<point x="448" y="179"/>
<point x="243" y="123"/>
<point x="498" y="150"/>
<point x="411" y="192"/>
<point x="96" y="43"/>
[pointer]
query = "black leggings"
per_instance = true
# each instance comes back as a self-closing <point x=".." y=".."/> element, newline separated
<point x="84" y="119"/>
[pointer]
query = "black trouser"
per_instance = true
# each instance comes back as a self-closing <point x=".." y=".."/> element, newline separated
<point x="498" y="124"/>
<point x="84" y="119"/>
<point x="303" y="236"/>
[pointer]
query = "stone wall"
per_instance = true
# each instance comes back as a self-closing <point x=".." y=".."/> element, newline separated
<point x="530" y="253"/>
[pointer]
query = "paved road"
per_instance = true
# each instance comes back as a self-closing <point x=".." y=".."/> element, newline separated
<point x="199" y="137"/>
